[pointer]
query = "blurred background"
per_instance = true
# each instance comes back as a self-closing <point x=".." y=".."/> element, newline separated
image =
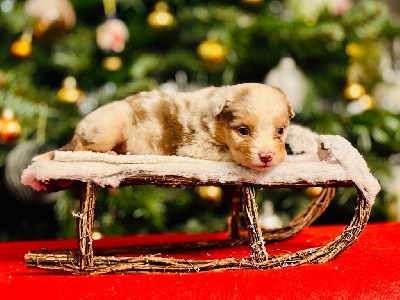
<point x="338" y="61"/>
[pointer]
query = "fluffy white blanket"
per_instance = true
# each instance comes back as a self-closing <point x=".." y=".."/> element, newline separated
<point x="341" y="162"/>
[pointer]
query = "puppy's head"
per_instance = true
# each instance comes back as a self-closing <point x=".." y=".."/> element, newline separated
<point x="253" y="123"/>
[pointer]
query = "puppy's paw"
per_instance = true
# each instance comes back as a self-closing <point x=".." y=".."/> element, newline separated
<point x="112" y="152"/>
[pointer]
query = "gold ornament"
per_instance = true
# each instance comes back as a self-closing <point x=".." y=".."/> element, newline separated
<point x="112" y="63"/>
<point x="211" y="193"/>
<point x="367" y="102"/>
<point x="53" y="18"/>
<point x="10" y="129"/>
<point x="22" y="48"/>
<point x="353" y="90"/>
<point x="212" y="51"/>
<point x="97" y="235"/>
<point x="69" y="92"/>
<point x="314" y="191"/>
<point x="161" y="17"/>
<point x="354" y="50"/>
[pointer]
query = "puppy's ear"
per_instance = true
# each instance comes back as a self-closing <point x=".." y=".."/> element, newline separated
<point x="225" y="113"/>
<point x="291" y="110"/>
<point x="221" y="107"/>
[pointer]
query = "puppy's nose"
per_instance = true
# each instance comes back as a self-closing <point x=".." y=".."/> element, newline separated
<point x="265" y="157"/>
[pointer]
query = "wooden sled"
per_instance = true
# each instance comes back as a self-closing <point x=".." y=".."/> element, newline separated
<point x="317" y="160"/>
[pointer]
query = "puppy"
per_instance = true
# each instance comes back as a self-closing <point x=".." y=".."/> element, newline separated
<point x="244" y="123"/>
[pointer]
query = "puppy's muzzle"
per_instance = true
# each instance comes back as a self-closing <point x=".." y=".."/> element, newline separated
<point x="266" y="157"/>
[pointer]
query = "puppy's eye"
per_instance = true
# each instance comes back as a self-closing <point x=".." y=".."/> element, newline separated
<point x="244" y="130"/>
<point x="280" y="131"/>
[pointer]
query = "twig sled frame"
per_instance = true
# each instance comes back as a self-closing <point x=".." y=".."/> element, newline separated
<point x="86" y="260"/>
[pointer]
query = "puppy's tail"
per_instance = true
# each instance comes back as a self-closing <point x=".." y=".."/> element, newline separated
<point x="45" y="156"/>
<point x="71" y="146"/>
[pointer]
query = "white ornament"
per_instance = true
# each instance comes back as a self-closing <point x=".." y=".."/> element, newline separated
<point x="49" y="11"/>
<point x="268" y="219"/>
<point x="387" y="96"/>
<point x="291" y="80"/>
<point x="112" y="35"/>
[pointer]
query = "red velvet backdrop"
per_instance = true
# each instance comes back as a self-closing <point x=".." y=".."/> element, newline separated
<point x="370" y="269"/>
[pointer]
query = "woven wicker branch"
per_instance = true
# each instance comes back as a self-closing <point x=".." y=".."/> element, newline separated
<point x="104" y="260"/>
<point x="302" y="220"/>
<point x="68" y="261"/>
<point x="85" y="223"/>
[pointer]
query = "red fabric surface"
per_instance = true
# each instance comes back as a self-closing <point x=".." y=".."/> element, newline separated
<point x="370" y="269"/>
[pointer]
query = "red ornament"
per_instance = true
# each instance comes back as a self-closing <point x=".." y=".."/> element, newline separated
<point x="112" y="35"/>
<point x="10" y="129"/>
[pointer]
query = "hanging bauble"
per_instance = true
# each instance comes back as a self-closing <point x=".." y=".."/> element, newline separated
<point x="69" y="92"/>
<point x="291" y="80"/>
<point x="112" y="35"/>
<point x="353" y="90"/>
<point x="268" y="218"/>
<point x="387" y="96"/>
<point x="212" y="51"/>
<point x="161" y="17"/>
<point x="354" y="50"/>
<point x="97" y="235"/>
<point x="210" y="193"/>
<point x="10" y="128"/>
<point x="314" y="191"/>
<point x="53" y="18"/>
<point x="22" y="48"/>
<point x="112" y="63"/>
<point x="17" y="160"/>
<point x="367" y="102"/>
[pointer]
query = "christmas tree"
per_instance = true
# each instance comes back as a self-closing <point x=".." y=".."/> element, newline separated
<point x="338" y="61"/>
